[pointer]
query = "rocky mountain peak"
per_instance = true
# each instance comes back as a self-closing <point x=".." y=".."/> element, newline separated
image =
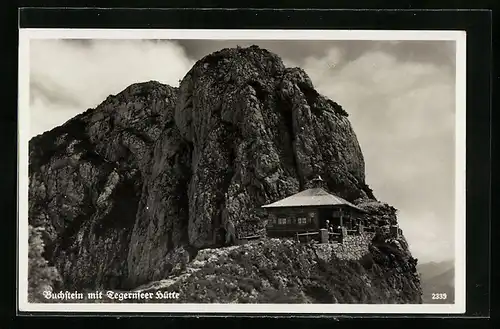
<point x="151" y="175"/>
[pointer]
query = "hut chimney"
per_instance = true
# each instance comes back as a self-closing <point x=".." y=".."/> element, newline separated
<point x="317" y="182"/>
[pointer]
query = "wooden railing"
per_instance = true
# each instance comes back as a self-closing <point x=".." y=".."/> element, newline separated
<point x="245" y="239"/>
<point x="307" y="236"/>
<point x="251" y="237"/>
<point x="333" y="236"/>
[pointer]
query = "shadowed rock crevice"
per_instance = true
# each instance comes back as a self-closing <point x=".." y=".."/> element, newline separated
<point x="124" y="209"/>
<point x="310" y="94"/>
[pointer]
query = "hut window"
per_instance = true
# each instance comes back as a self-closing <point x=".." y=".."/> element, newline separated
<point x="303" y="220"/>
<point x="289" y="220"/>
<point x="281" y="221"/>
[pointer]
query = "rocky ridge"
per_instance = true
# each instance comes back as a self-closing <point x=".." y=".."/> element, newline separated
<point x="284" y="271"/>
<point x="132" y="188"/>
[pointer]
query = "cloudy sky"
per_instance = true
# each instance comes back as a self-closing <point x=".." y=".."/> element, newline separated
<point x="400" y="97"/>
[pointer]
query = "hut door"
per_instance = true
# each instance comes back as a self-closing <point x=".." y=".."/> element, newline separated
<point x="335" y="219"/>
<point x="324" y="215"/>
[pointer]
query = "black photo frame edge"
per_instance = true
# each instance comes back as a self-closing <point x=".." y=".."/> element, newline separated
<point x="477" y="24"/>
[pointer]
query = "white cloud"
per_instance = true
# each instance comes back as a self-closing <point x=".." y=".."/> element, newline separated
<point x="319" y="66"/>
<point x="80" y="76"/>
<point x="429" y="238"/>
<point x="45" y="115"/>
<point x="403" y="115"/>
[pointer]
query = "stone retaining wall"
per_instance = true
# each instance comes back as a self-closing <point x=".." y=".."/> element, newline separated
<point x="354" y="246"/>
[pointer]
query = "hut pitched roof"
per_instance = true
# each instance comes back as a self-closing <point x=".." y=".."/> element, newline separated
<point x="311" y="197"/>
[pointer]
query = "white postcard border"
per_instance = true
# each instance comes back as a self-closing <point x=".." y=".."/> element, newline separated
<point x="23" y="180"/>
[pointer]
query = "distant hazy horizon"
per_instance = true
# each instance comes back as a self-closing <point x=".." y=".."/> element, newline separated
<point x="400" y="96"/>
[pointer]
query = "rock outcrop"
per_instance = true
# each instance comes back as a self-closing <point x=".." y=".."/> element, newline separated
<point x="141" y="183"/>
<point x="86" y="182"/>
<point x="284" y="271"/>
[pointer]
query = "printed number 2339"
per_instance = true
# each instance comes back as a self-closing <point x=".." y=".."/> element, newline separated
<point x="439" y="296"/>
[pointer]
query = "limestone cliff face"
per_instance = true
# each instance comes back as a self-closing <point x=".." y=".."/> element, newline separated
<point x="126" y="190"/>
<point x="86" y="182"/>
